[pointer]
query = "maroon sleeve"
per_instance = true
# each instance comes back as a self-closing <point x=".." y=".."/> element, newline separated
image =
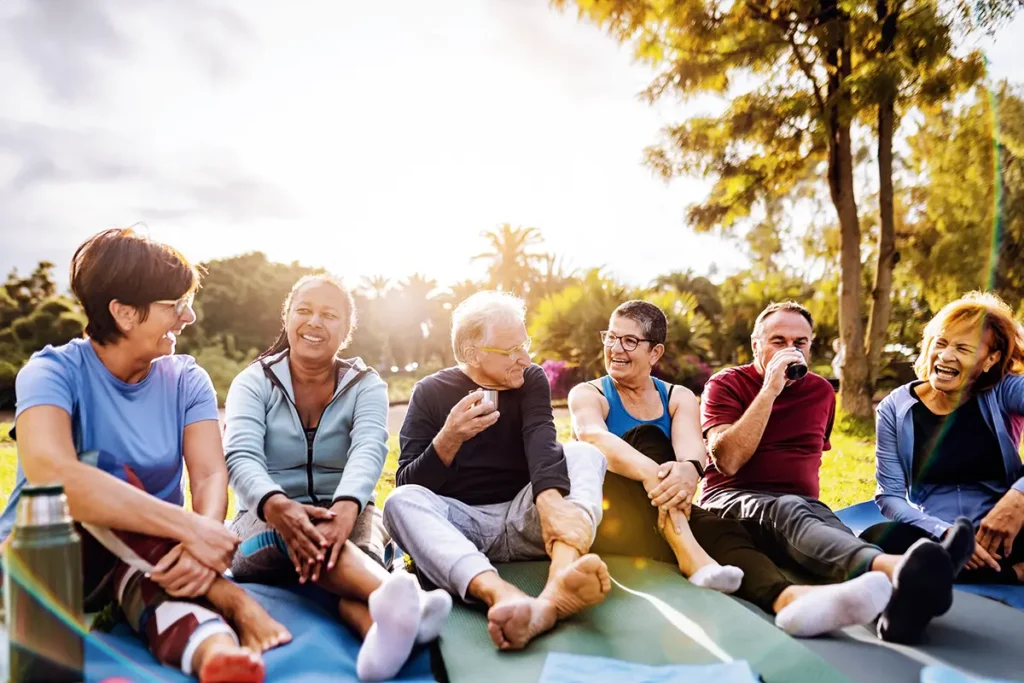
<point x="720" y="403"/>
<point x="831" y="419"/>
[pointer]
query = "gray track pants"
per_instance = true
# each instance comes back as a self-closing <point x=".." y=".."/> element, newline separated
<point x="452" y="542"/>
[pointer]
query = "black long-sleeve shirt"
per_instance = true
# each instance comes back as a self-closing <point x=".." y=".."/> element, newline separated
<point x="493" y="466"/>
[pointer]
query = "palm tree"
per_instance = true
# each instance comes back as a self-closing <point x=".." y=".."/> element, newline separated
<point x="375" y="286"/>
<point x="706" y="292"/>
<point x="420" y="319"/>
<point x="511" y="261"/>
<point x="553" y="276"/>
<point x="459" y="292"/>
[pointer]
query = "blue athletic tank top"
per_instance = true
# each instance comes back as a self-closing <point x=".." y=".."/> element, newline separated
<point x="619" y="420"/>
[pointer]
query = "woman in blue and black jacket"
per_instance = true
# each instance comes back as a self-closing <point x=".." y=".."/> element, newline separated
<point x="947" y="450"/>
<point x="305" y="442"/>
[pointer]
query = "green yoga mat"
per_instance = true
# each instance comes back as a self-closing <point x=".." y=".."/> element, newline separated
<point x="629" y="627"/>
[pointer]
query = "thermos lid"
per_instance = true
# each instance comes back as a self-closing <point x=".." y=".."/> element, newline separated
<point x="43" y="490"/>
<point x="42" y="505"/>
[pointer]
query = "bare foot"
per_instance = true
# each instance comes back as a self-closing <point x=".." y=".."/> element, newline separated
<point x="514" y="622"/>
<point x="225" y="663"/>
<point x="257" y="630"/>
<point x="583" y="583"/>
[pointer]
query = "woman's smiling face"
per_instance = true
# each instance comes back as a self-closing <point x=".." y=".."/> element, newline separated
<point x="958" y="356"/>
<point x="317" y="322"/>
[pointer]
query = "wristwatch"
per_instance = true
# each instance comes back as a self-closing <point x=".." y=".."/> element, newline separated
<point x="697" y="466"/>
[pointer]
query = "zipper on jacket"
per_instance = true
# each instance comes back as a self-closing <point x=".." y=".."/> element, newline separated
<point x="309" y="442"/>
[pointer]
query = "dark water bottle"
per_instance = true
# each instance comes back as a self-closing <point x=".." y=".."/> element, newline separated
<point x="43" y="589"/>
<point x="797" y="369"/>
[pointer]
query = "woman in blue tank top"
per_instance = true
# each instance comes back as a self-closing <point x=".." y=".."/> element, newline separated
<point x="620" y="420"/>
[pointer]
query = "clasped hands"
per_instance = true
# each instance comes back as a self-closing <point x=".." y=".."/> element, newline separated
<point x="670" y="488"/>
<point x="314" y="536"/>
<point x="998" y="531"/>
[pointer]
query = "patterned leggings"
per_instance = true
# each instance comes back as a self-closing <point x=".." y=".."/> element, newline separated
<point x="172" y="627"/>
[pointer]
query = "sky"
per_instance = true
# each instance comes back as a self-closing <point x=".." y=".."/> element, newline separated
<point x="366" y="138"/>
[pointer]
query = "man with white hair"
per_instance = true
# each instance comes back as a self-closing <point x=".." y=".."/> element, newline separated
<point x="480" y="482"/>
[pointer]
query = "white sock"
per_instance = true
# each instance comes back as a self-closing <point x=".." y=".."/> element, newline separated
<point x="390" y="640"/>
<point x="434" y="608"/>
<point x="725" y="579"/>
<point x="827" y="608"/>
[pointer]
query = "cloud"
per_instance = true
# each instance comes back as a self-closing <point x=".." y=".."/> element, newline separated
<point x="66" y="44"/>
<point x="51" y="164"/>
<point x="48" y="155"/>
<point x="61" y="176"/>
<point x="221" y="193"/>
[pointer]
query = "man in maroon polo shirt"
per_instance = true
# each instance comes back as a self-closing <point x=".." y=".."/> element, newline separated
<point x="765" y="434"/>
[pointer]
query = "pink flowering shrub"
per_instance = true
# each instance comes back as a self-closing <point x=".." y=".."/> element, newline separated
<point x="561" y="377"/>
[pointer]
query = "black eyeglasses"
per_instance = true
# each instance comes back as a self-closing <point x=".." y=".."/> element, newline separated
<point x="629" y="342"/>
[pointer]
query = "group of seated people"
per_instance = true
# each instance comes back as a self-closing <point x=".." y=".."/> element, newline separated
<point x="118" y="419"/>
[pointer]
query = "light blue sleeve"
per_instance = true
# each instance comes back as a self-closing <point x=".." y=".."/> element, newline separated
<point x="244" y="432"/>
<point x="1012" y="398"/>
<point x="1011" y="389"/>
<point x="891" y="493"/>
<point x="369" y="442"/>
<point x="45" y="381"/>
<point x="201" y="398"/>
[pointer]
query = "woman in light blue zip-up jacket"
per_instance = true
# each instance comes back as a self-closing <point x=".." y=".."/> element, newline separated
<point x="305" y="441"/>
<point x="947" y="445"/>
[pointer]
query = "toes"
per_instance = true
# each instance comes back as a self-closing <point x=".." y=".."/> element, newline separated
<point x="494" y="631"/>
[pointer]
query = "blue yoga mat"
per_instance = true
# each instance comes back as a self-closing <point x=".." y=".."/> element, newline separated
<point x="563" y="667"/>
<point x="862" y="515"/>
<point x="322" y="649"/>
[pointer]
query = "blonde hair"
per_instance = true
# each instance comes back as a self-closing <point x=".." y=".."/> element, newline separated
<point x="473" y="318"/>
<point x="988" y="313"/>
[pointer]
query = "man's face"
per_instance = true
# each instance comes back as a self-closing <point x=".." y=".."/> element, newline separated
<point x="782" y="330"/>
<point x="504" y="370"/>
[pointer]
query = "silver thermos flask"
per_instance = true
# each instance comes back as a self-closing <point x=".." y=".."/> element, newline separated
<point x="43" y="589"/>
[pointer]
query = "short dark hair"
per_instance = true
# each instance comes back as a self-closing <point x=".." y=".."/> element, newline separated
<point x="777" y="306"/>
<point x="651" y="318"/>
<point x="135" y="270"/>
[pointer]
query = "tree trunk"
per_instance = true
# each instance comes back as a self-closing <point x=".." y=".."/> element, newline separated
<point x="855" y="397"/>
<point x="881" y="295"/>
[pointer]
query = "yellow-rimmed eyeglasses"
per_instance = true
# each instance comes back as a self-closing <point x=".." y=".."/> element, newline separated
<point x="180" y="305"/>
<point x="525" y="347"/>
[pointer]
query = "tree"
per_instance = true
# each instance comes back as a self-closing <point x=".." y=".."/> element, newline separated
<point x="239" y="303"/>
<point x="704" y="291"/>
<point x="566" y="325"/>
<point x="909" y="63"/>
<point x="511" y="261"/>
<point x="744" y="295"/>
<point x="28" y="292"/>
<point x="792" y="126"/>
<point x="376" y="286"/>
<point x="550" y="277"/>
<point x="967" y="203"/>
<point x="31" y="317"/>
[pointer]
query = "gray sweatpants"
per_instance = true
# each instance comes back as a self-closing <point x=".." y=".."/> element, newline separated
<point x="804" y="529"/>
<point x="452" y="542"/>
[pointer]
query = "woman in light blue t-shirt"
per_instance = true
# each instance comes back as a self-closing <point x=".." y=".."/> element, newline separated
<point x="116" y="419"/>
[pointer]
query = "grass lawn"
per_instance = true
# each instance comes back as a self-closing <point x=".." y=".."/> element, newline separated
<point x="847" y="471"/>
